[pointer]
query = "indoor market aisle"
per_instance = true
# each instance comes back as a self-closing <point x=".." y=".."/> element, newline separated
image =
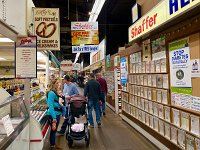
<point x="114" y="134"/>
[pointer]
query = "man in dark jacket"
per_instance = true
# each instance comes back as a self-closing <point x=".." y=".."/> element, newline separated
<point x="104" y="91"/>
<point x="93" y="92"/>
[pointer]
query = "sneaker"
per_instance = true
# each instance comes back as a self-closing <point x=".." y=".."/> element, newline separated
<point x="91" y="126"/>
<point x="99" y="124"/>
<point x="61" y="132"/>
<point x="104" y="113"/>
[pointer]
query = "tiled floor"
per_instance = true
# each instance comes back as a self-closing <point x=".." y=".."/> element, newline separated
<point x="114" y="134"/>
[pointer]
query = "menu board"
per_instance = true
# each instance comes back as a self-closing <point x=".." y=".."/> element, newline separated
<point x="26" y="57"/>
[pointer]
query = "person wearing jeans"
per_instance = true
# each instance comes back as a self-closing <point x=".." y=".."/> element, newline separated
<point x="93" y="92"/>
<point x="104" y="91"/>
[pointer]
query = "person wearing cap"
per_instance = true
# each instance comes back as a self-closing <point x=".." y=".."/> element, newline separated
<point x="93" y="92"/>
<point x="68" y="91"/>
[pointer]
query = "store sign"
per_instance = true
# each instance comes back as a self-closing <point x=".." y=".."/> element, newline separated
<point x="195" y="66"/>
<point x="77" y="66"/>
<point x="177" y="7"/>
<point x="85" y="37"/>
<point x="180" y="68"/>
<point x="136" y="12"/>
<point x="66" y="65"/>
<point x="85" y="48"/>
<point x="47" y="28"/>
<point x="160" y="14"/>
<point x="26" y="57"/>
<point x="123" y="71"/>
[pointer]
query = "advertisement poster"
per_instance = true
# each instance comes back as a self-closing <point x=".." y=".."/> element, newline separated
<point x="108" y="61"/>
<point x="158" y="48"/>
<point x="47" y="28"/>
<point x="26" y="57"/>
<point x="85" y="37"/>
<point x="124" y="70"/>
<point x="117" y="61"/>
<point x="180" y="68"/>
<point x="195" y="66"/>
<point x="146" y="50"/>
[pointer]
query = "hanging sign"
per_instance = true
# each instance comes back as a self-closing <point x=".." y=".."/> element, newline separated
<point x="47" y="28"/>
<point x="66" y="65"/>
<point x="136" y="12"/>
<point x="26" y="57"/>
<point x="108" y="61"/>
<point x="124" y="70"/>
<point x="180" y="68"/>
<point x="76" y="66"/>
<point x="195" y="66"/>
<point x="85" y="48"/>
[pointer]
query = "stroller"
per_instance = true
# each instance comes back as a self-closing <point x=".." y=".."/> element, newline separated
<point x="77" y="109"/>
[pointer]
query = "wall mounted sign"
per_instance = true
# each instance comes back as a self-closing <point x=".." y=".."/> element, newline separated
<point x="180" y="68"/>
<point x="66" y="65"/>
<point x="26" y="57"/>
<point x="162" y="13"/>
<point x="47" y="28"/>
<point x="124" y="71"/>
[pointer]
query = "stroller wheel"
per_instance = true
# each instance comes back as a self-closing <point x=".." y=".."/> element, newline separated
<point x="70" y="143"/>
<point x="87" y="139"/>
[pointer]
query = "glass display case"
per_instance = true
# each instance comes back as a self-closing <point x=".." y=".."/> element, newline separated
<point x="13" y="118"/>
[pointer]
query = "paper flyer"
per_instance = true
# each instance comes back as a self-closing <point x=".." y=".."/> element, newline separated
<point x="194" y="124"/>
<point x="8" y="125"/>
<point x="180" y="68"/>
<point x="195" y="68"/>
<point x="181" y="138"/>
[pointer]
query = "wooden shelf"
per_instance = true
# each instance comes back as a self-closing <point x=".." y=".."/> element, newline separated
<point x="148" y="86"/>
<point x="148" y="73"/>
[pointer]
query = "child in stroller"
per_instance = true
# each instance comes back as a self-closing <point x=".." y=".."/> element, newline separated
<point x="77" y="129"/>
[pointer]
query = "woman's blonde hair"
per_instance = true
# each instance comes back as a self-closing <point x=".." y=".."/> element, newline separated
<point x="53" y="85"/>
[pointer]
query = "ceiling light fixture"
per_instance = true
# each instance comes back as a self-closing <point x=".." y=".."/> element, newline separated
<point x="1" y="58"/>
<point x="98" y="4"/>
<point x="6" y="40"/>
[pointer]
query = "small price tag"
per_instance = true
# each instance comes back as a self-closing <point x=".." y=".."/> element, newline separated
<point x="7" y="125"/>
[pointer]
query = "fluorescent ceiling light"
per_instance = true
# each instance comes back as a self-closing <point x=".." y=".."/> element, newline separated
<point x="1" y="58"/>
<point x="77" y="56"/>
<point x="98" y="4"/>
<point x="6" y="40"/>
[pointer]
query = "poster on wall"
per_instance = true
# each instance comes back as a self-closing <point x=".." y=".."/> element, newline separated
<point x="180" y="68"/>
<point x="146" y="50"/>
<point x="158" y="48"/>
<point x="26" y="57"/>
<point x="195" y="66"/>
<point x="116" y="61"/>
<point x="108" y="61"/>
<point x="124" y="70"/>
<point x="47" y="28"/>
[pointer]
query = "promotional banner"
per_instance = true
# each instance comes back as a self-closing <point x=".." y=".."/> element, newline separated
<point x="26" y="57"/>
<point x="47" y="28"/>
<point x="108" y="61"/>
<point x="180" y="68"/>
<point x="124" y="70"/>
<point x="66" y="65"/>
<point x="85" y="48"/>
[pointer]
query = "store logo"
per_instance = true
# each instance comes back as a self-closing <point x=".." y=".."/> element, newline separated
<point x="25" y="41"/>
<point x="174" y="5"/>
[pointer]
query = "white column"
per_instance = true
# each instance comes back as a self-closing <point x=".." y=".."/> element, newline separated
<point x="47" y="71"/>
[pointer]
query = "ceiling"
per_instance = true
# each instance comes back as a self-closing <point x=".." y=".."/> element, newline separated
<point x="114" y="20"/>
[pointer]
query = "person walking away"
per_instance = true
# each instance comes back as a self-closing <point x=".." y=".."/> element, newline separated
<point x="54" y="110"/>
<point x="104" y="91"/>
<point x="92" y="91"/>
<point x="68" y="91"/>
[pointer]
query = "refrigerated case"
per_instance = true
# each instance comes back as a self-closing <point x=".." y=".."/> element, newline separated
<point x="14" y="118"/>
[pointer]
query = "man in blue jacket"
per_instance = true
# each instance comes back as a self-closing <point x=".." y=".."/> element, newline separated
<point x="93" y="92"/>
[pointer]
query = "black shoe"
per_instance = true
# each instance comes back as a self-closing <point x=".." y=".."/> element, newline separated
<point x="99" y="124"/>
<point x="61" y="132"/>
<point x="104" y="113"/>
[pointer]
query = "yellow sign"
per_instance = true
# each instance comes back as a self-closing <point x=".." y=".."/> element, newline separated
<point x="162" y="13"/>
<point x="85" y="37"/>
